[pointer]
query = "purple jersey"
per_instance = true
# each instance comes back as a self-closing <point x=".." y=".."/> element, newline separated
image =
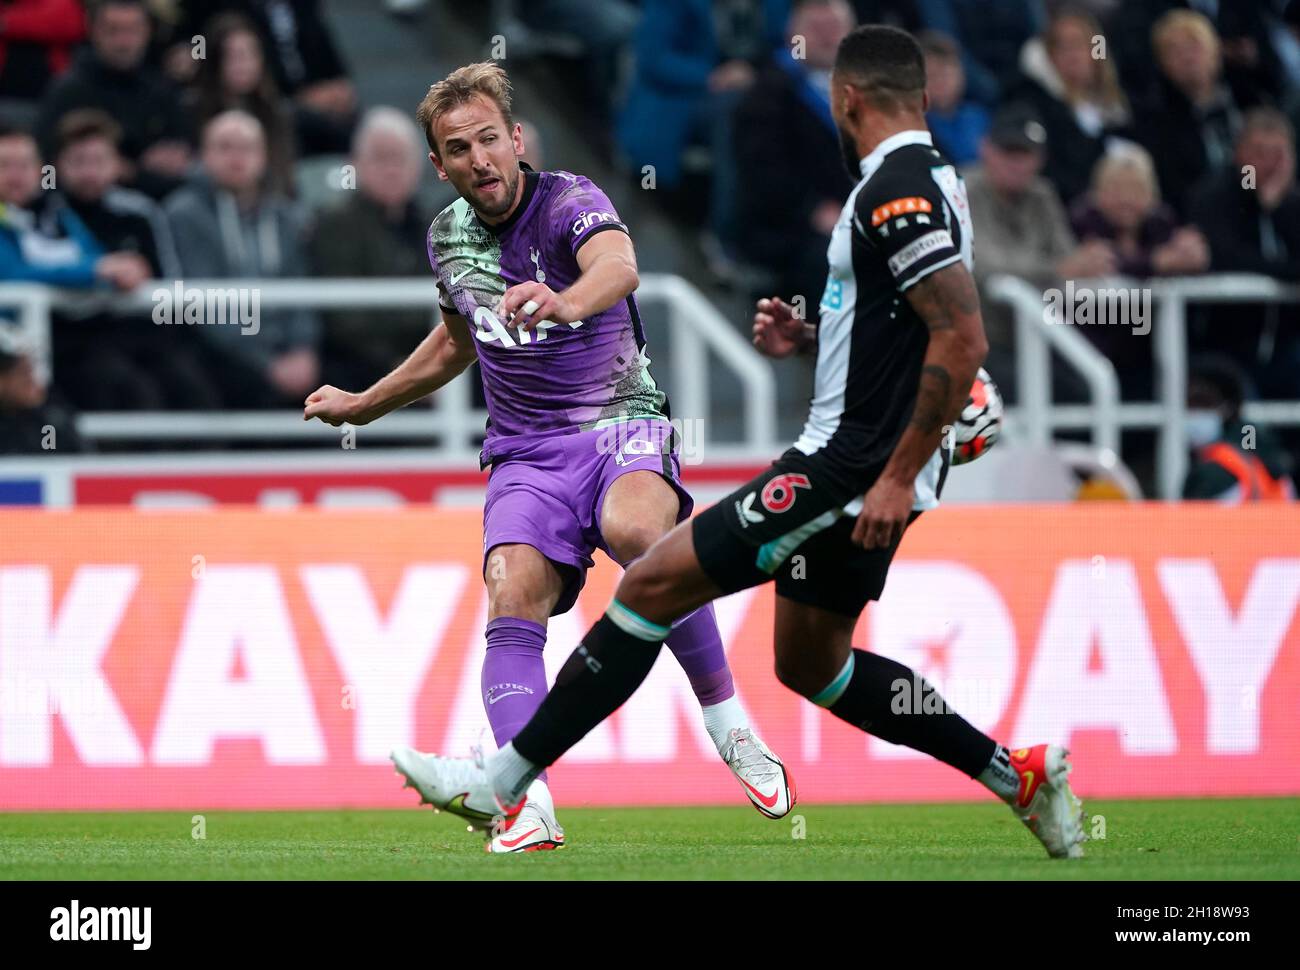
<point x="562" y="377"/>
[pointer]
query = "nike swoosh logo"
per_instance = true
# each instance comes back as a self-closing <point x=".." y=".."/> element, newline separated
<point x="456" y="805"/>
<point x="513" y="693"/>
<point x="511" y="843"/>
<point x="766" y="800"/>
<point x="460" y="276"/>
<point x="1029" y="780"/>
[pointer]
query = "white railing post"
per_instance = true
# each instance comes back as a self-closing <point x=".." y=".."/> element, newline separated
<point x="1171" y="362"/>
<point x="1036" y="335"/>
<point x="697" y="329"/>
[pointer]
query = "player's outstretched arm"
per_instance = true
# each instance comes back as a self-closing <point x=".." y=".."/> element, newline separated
<point x="439" y="358"/>
<point x="608" y="264"/>
<point x="948" y="302"/>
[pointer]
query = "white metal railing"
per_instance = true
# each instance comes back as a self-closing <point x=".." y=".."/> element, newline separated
<point x="1036" y="335"/>
<point x="696" y="328"/>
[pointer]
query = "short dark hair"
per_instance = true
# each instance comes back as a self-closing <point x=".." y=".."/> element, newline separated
<point x="885" y="63"/>
<point x="11" y="129"/>
<point x="82" y="125"/>
<point x="95" y="8"/>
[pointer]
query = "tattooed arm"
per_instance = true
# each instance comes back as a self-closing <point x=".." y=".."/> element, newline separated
<point x="948" y="303"/>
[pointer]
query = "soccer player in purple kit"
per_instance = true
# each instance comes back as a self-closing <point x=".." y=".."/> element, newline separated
<point x="536" y="275"/>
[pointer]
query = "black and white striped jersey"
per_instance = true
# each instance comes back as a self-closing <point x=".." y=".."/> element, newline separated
<point x="906" y="218"/>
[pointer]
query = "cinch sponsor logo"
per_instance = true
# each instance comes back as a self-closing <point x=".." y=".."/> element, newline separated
<point x="102" y="924"/>
<point x="586" y="220"/>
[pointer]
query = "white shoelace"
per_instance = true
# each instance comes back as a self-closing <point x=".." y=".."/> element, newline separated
<point x="743" y="750"/>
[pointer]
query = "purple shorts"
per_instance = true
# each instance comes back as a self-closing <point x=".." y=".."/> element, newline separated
<point x="547" y="491"/>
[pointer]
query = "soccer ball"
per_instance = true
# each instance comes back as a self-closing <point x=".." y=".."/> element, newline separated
<point x="977" y="428"/>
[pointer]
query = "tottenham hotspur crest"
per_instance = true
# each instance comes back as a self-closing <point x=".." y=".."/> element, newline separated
<point x="537" y="261"/>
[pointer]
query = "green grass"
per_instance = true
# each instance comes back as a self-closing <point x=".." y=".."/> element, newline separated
<point x="1185" y="839"/>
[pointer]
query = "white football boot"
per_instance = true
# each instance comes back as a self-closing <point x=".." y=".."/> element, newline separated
<point x="533" y="829"/>
<point x="456" y="785"/>
<point x="762" y="774"/>
<point x="1045" y="802"/>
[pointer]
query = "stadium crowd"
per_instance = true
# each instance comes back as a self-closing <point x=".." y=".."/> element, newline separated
<point x="1096" y="137"/>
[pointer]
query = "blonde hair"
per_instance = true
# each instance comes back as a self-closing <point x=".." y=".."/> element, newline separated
<point x="1194" y="23"/>
<point x="1128" y="157"/>
<point x="486" y="79"/>
<point x="1106" y="90"/>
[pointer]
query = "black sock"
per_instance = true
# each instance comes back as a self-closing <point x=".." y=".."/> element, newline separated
<point x="598" y="677"/>
<point x="888" y="700"/>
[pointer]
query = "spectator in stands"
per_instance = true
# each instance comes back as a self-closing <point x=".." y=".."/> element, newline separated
<point x="36" y="42"/>
<point x="234" y="75"/>
<point x="1190" y="123"/>
<point x="304" y="61"/>
<point x="32" y="420"/>
<point x="792" y="181"/>
<point x="1124" y="210"/>
<point x="1076" y="95"/>
<point x="1252" y="67"/>
<point x="89" y="165"/>
<point x="123" y="220"/>
<point x="989" y="36"/>
<point x="50" y="245"/>
<point x="1021" y="226"/>
<point x="42" y="240"/>
<point x="1231" y="462"/>
<point x="956" y="123"/>
<point x="112" y="76"/>
<point x="1250" y="214"/>
<point x="377" y="232"/>
<point x="228" y="225"/>
<point x="694" y="62"/>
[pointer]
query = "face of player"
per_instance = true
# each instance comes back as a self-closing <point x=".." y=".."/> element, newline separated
<point x="20" y="170"/>
<point x="88" y="168"/>
<point x="846" y="103"/>
<point x="479" y="155"/>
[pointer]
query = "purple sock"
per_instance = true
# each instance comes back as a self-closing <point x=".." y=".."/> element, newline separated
<point x="697" y="645"/>
<point x="514" y="677"/>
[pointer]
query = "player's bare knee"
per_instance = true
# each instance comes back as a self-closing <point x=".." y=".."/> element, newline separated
<point x="634" y="540"/>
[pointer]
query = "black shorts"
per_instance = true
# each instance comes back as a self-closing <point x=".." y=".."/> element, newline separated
<point x="789" y="525"/>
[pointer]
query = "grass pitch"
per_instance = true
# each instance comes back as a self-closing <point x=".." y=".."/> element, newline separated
<point x="1185" y="839"/>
